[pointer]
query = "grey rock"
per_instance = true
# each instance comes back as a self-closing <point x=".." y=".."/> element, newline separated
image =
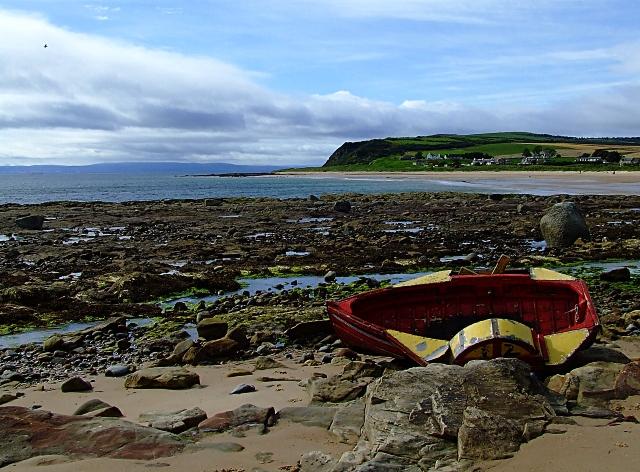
<point x="117" y="371"/>
<point x="174" y="421"/>
<point x="348" y="421"/>
<point x="426" y="416"/>
<point x="242" y="388"/>
<point x="321" y="416"/>
<point x="563" y="224"/>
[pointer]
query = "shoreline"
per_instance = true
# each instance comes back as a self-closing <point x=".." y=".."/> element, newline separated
<point x="516" y="182"/>
<point x="461" y="176"/>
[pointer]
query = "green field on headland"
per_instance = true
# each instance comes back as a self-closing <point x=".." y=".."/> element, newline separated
<point x="491" y="151"/>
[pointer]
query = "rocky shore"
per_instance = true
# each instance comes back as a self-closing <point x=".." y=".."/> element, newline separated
<point x="162" y="282"/>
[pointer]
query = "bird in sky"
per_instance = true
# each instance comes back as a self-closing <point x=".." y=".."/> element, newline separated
<point x="45" y="45"/>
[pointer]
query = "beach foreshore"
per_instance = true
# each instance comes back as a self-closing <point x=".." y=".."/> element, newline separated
<point x="541" y="182"/>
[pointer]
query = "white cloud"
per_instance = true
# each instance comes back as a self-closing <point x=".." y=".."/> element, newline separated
<point x="89" y="99"/>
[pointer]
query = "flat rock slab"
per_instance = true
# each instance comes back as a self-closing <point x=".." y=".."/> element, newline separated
<point x="162" y="377"/>
<point x="320" y="416"/>
<point x="28" y="433"/>
<point x="174" y="421"/>
<point x="242" y="415"/>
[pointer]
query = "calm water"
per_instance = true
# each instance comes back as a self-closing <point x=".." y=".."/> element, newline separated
<point x="38" y="188"/>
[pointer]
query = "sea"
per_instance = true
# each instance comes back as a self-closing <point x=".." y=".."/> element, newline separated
<point x="28" y="188"/>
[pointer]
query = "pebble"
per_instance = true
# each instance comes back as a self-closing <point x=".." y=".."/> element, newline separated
<point x="117" y="371"/>
<point x="242" y="388"/>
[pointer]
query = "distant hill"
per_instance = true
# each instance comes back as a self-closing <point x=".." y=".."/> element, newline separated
<point x="495" y="144"/>
<point x="140" y="168"/>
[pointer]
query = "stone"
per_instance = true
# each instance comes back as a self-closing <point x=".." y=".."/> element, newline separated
<point x="97" y="408"/>
<point x="26" y="433"/>
<point x="239" y="373"/>
<point x="76" y="384"/>
<point x="174" y="421"/>
<point x="330" y="276"/>
<point x="348" y="421"/>
<point x="211" y="328"/>
<point x="31" y="222"/>
<point x="53" y="343"/>
<point x="622" y="274"/>
<point x="162" y="377"/>
<point x="321" y="416"/>
<point x="223" y="347"/>
<point x="242" y="388"/>
<point x="342" y="206"/>
<point x="309" y="329"/>
<point x="265" y="362"/>
<point x="117" y="371"/>
<point x="317" y="461"/>
<point x="345" y="352"/>
<point x="487" y="436"/>
<point x="563" y="224"/>
<point x="335" y="389"/>
<point x="181" y="348"/>
<point x="8" y="397"/>
<point x="244" y="414"/>
<point x="423" y="416"/>
<point x="90" y="405"/>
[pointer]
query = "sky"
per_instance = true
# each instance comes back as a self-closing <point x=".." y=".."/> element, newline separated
<point x="285" y="82"/>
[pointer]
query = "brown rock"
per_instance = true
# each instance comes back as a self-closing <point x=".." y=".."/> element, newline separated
<point x="162" y="377"/>
<point x="27" y="433"/>
<point x="242" y="415"/>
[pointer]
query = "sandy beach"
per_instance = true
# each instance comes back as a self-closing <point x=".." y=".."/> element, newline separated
<point x="542" y="182"/>
<point x="590" y="445"/>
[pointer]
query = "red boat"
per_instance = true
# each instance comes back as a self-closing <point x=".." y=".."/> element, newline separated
<point x="537" y="315"/>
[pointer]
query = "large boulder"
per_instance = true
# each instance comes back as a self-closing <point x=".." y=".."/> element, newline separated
<point x="443" y="414"/>
<point x="162" y="377"/>
<point x="28" y="433"/>
<point x="32" y="222"/>
<point x="563" y="224"/>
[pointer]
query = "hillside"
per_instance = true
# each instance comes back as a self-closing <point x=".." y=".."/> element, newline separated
<point x="395" y="151"/>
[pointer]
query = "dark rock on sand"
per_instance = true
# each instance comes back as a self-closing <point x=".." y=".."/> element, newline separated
<point x="76" y="384"/>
